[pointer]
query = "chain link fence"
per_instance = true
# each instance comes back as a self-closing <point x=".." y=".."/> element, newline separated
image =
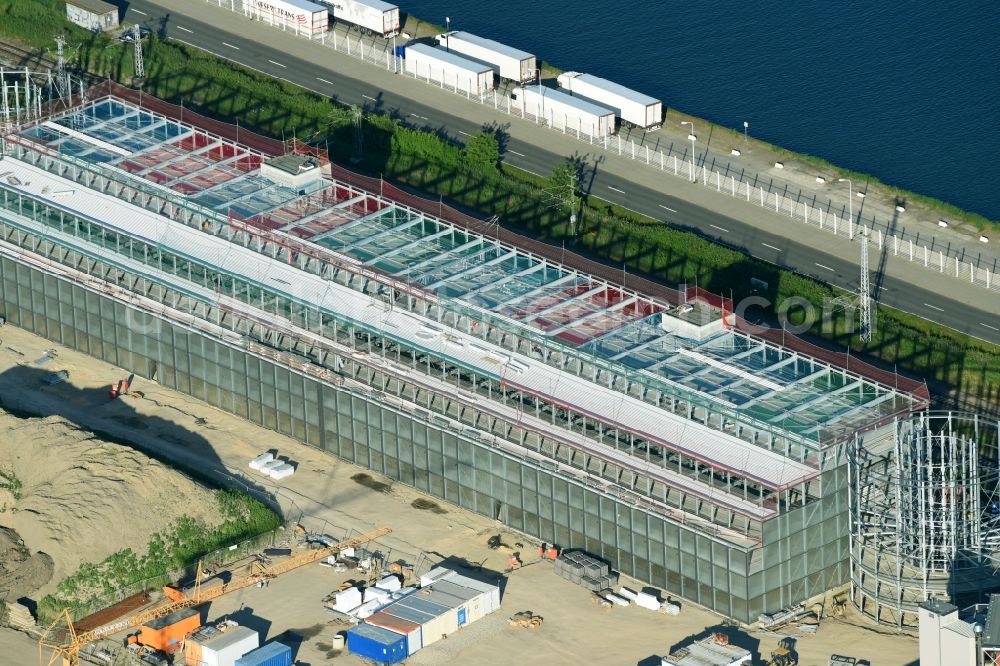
<point x="708" y="170"/>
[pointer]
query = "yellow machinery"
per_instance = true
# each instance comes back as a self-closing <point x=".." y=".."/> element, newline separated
<point x="784" y="654"/>
<point x="67" y="645"/>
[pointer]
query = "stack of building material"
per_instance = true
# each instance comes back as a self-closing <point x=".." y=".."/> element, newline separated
<point x="266" y="468"/>
<point x="281" y="471"/>
<point x="261" y="460"/>
<point x="272" y="654"/>
<point x="582" y="569"/>
<point x="19" y="617"/>
<point x="648" y="601"/>
<point x="347" y="600"/>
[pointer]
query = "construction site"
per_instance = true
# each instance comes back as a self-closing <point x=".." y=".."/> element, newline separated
<point x="729" y="475"/>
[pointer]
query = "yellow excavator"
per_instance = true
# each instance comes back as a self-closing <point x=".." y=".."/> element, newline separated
<point x="64" y="643"/>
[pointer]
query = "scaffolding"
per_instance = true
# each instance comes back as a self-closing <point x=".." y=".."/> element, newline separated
<point x="925" y="515"/>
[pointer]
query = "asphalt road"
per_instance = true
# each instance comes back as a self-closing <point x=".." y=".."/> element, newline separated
<point x="794" y="253"/>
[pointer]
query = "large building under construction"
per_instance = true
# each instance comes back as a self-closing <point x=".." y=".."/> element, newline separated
<point x="644" y="425"/>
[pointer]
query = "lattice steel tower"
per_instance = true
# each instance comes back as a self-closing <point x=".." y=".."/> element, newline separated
<point x="864" y="292"/>
<point x="140" y="70"/>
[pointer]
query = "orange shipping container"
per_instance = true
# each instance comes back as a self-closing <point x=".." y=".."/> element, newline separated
<point x="166" y="633"/>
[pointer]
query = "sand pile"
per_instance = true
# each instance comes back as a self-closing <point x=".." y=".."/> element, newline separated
<point x="21" y="572"/>
<point x="82" y="499"/>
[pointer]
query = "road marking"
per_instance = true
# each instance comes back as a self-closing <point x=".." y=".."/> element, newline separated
<point x="933" y="307"/>
<point x="665" y="208"/>
<point x="616" y="189"/>
<point x="324" y="81"/>
<point x="988" y="326"/>
<point x="827" y="268"/>
<point x="777" y="249"/>
<point x="140" y="12"/>
<point x="719" y="228"/>
<point x="416" y="116"/>
<point x="514" y="152"/>
<point x="464" y="133"/>
<point x="180" y="27"/>
<point x="230" y="45"/>
<point x="372" y="99"/>
<point x="276" y="63"/>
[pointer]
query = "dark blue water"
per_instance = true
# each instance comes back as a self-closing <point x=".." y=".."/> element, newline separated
<point x="906" y="91"/>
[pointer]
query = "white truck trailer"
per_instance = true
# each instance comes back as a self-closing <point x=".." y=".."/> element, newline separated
<point x="632" y="107"/>
<point x="563" y="111"/>
<point x="439" y="66"/>
<point x="302" y="17"/>
<point x="510" y="63"/>
<point x="375" y="16"/>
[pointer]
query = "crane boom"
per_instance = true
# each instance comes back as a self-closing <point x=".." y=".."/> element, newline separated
<point x="70" y="651"/>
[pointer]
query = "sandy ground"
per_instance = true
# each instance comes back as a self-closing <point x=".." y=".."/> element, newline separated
<point x="83" y="499"/>
<point x="574" y="629"/>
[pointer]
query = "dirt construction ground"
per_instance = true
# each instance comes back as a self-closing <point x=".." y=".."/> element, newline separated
<point x="574" y="631"/>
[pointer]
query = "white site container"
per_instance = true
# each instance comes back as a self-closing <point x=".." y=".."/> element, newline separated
<point x="259" y="461"/>
<point x="374" y="16"/>
<point x="302" y="17"/>
<point x="440" y="67"/>
<point x="509" y="63"/>
<point x="491" y="593"/>
<point x="632" y="107"/>
<point x="437" y="573"/>
<point x="562" y="111"/>
<point x="282" y="471"/>
<point x="222" y="649"/>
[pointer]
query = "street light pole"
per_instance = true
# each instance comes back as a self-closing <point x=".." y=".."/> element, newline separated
<point x="693" y="137"/>
<point x="745" y="126"/>
<point x="850" y="203"/>
<point x="447" y="35"/>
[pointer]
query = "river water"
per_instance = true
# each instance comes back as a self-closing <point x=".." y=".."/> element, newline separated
<point x="906" y="91"/>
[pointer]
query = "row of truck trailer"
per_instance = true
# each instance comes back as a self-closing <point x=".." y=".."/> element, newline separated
<point x="472" y="65"/>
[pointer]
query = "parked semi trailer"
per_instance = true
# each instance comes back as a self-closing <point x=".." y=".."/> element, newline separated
<point x="632" y="107"/>
<point x="509" y="63"/>
<point x="563" y="111"/>
<point x="305" y="18"/>
<point x="439" y="66"/>
<point x="375" y="16"/>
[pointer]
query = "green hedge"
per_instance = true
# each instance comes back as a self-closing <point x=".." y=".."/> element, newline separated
<point x="425" y="160"/>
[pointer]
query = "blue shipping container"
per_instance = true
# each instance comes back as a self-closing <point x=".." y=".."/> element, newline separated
<point x="375" y="643"/>
<point x="272" y="654"/>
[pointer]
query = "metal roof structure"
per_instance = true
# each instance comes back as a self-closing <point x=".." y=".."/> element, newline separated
<point x="730" y="405"/>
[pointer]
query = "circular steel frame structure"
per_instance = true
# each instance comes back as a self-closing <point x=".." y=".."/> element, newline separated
<point x="924" y="515"/>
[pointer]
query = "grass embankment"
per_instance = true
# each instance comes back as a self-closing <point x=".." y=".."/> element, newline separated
<point x="473" y="179"/>
<point x="178" y="546"/>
